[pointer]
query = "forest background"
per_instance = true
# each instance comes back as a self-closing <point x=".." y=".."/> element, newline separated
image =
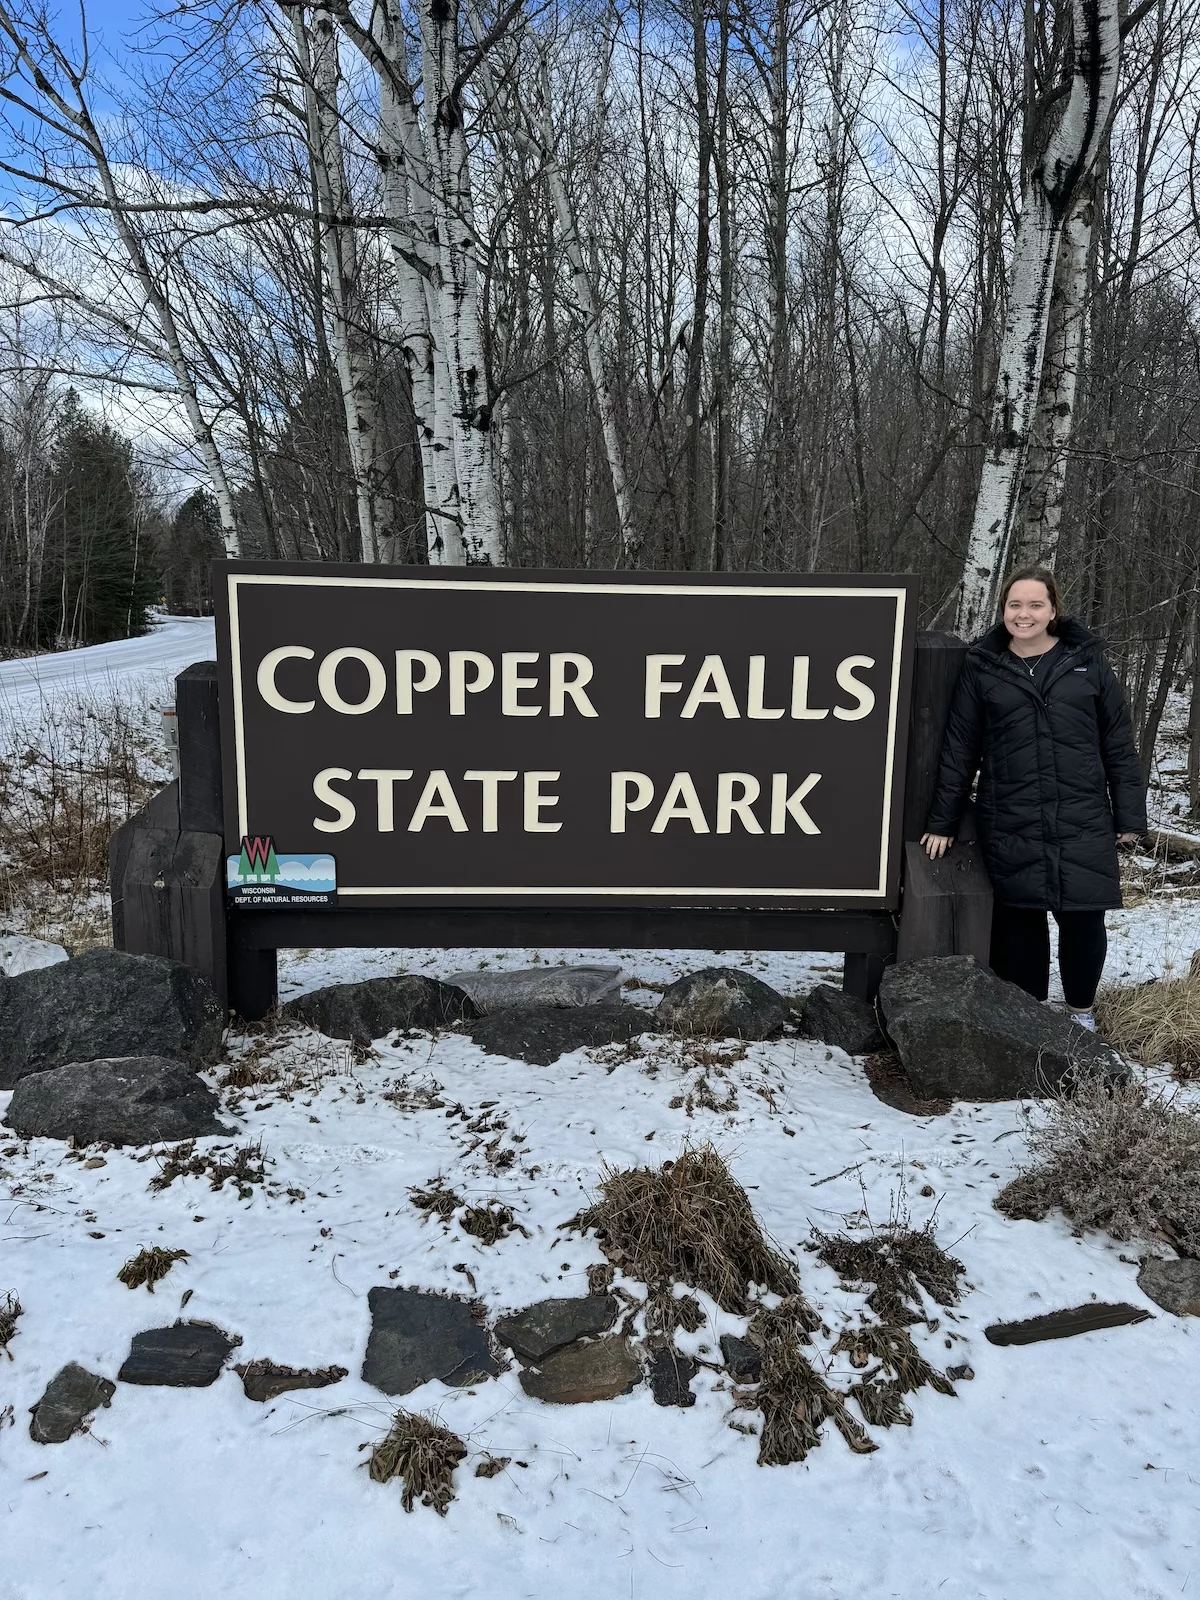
<point x="865" y="285"/>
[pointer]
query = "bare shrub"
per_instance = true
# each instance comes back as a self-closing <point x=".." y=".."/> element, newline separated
<point x="10" y="1309"/>
<point x="793" y="1397"/>
<point x="1155" y="1023"/>
<point x="688" y="1221"/>
<point x="424" y="1455"/>
<point x="1116" y="1157"/>
<point x="902" y="1370"/>
<point x="895" y="1259"/>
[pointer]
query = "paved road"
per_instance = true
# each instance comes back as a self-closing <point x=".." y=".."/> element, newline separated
<point x="174" y="644"/>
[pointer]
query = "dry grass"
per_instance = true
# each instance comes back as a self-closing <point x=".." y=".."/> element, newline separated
<point x="899" y="1261"/>
<point x="70" y="773"/>
<point x="688" y="1221"/>
<point x="1155" y="1023"/>
<point x="245" y="1167"/>
<point x="10" y="1309"/>
<point x="793" y="1397"/>
<point x="1116" y="1157"/>
<point x="149" y="1267"/>
<point x="435" y="1199"/>
<point x="902" y="1370"/>
<point x="490" y="1222"/>
<point x="424" y="1455"/>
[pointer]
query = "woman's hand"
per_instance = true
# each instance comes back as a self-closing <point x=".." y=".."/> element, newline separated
<point x="1128" y="838"/>
<point x="936" y="844"/>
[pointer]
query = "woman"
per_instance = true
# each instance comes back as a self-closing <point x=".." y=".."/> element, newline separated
<point x="1040" y="716"/>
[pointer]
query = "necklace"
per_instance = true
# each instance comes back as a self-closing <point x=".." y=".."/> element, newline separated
<point x="1032" y="661"/>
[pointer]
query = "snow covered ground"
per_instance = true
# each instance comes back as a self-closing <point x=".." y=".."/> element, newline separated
<point x="1062" y="1470"/>
<point x="128" y="665"/>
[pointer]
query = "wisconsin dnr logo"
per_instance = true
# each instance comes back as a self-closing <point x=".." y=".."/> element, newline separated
<point x="260" y="875"/>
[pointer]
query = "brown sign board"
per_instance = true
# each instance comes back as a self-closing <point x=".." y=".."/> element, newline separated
<point x="402" y="736"/>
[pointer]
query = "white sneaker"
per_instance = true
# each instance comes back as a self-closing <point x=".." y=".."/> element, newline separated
<point x="1085" y="1019"/>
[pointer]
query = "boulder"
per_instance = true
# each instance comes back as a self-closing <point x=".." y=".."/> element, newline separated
<point x="267" y="1380"/>
<point x="722" y="1003"/>
<point x="105" y="1004"/>
<point x="187" y="1355"/>
<point x="540" y="986"/>
<point x="19" y="953"/>
<point x="541" y="1034"/>
<point x="541" y="1329"/>
<point x="671" y="1377"/>
<point x="377" y="1006"/>
<point x="1173" y="1285"/>
<point x="69" y="1399"/>
<point x="842" y="1020"/>
<point x="130" y="1100"/>
<point x="580" y="1373"/>
<point x="417" y="1336"/>
<point x="962" y="1033"/>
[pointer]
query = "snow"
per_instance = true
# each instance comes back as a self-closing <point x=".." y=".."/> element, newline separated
<point x="127" y="664"/>
<point x="1064" y="1470"/>
<point x="18" y="953"/>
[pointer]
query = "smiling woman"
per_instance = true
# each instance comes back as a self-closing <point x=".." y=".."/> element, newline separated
<point x="1040" y="716"/>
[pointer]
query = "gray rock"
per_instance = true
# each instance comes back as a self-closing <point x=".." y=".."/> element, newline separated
<point x="581" y="1373"/>
<point x="377" y="1006"/>
<point x="131" y="1100"/>
<point x="540" y="986"/>
<point x="541" y="1034"/>
<point x="1173" y="1285"/>
<point x="267" y="1380"/>
<point x="541" y="1329"/>
<point x="964" y="1034"/>
<point x="416" y="1337"/>
<point x="187" y="1355"/>
<point x="722" y="1003"/>
<point x="69" y="1399"/>
<point x="743" y="1360"/>
<point x="104" y="1004"/>
<point x="843" y="1020"/>
<point x="671" y="1376"/>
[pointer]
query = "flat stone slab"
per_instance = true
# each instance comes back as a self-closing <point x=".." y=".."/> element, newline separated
<point x="722" y="1003"/>
<point x="962" y="1033"/>
<point x="670" y="1377"/>
<point x="1065" y="1324"/>
<point x="187" y="1355"/>
<point x="582" y="1373"/>
<point x="541" y="1035"/>
<point x="540" y="986"/>
<point x="69" y="1399"/>
<point x="541" y="1329"/>
<point x="1173" y="1285"/>
<point x="843" y="1020"/>
<point x="102" y="1005"/>
<point x="743" y="1360"/>
<point x="377" y="1006"/>
<point x="417" y="1336"/>
<point x="267" y="1380"/>
<point x="130" y="1100"/>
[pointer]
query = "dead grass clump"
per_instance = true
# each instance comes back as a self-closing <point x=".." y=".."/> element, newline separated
<point x="407" y="1096"/>
<point x="436" y="1199"/>
<point x="688" y="1221"/>
<point x="1116" y="1157"/>
<point x="902" y="1370"/>
<point x="665" y="1312"/>
<point x="1155" y="1023"/>
<point x="490" y="1222"/>
<point x="492" y="1466"/>
<point x="10" y="1309"/>
<point x="424" y="1455"/>
<point x="896" y="1260"/>
<point x="793" y="1397"/>
<point x="149" y="1267"/>
<point x="246" y="1166"/>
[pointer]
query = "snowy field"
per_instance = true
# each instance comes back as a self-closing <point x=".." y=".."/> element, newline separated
<point x="1063" y="1470"/>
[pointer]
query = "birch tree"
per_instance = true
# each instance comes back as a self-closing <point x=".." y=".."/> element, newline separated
<point x="1072" y="140"/>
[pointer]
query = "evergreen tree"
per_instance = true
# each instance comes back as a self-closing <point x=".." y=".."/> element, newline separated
<point x="190" y="545"/>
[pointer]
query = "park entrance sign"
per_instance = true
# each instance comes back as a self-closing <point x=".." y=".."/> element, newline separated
<point x="414" y="736"/>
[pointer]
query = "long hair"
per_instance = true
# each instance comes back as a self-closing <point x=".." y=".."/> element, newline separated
<point x="1041" y="575"/>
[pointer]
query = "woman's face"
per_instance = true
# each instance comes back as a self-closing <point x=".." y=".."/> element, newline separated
<point x="1028" y="612"/>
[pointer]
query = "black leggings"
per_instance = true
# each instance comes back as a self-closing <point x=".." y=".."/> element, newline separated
<point x="1021" y="951"/>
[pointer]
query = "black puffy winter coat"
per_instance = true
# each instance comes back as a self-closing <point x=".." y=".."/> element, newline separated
<point x="1059" y="775"/>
